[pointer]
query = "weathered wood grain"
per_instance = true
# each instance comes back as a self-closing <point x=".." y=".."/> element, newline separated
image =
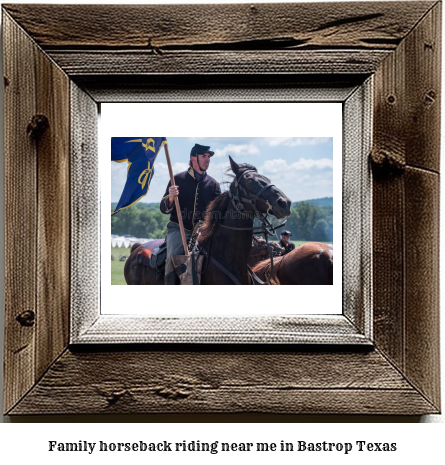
<point x="275" y="26"/>
<point x="222" y="382"/>
<point x="37" y="192"/>
<point x="20" y="213"/>
<point x="388" y="268"/>
<point x="389" y="144"/>
<point x="422" y="281"/>
<point x="53" y="232"/>
<point x="85" y="211"/>
<point x="357" y="209"/>
<point x="406" y="132"/>
<point x="423" y="91"/>
<point x="219" y="87"/>
<point x="216" y="62"/>
<point x="89" y="327"/>
<point x="397" y="42"/>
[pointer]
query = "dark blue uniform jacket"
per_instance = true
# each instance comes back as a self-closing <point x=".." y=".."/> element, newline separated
<point x="287" y="248"/>
<point x="194" y="197"/>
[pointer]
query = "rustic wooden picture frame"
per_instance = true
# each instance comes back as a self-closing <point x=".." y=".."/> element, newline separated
<point x="75" y="57"/>
<point x="254" y="320"/>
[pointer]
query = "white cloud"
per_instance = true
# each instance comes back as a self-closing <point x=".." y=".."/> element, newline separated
<point x="296" y="141"/>
<point x="301" y="180"/>
<point x="237" y="150"/>
<point x="161" y="169"/>
<point x="118" y="167"/>
<point x="218" y="172"/>
<point x="307" y="164"/>
<point x="279" y="165"/>
<point x="274" y="166"/>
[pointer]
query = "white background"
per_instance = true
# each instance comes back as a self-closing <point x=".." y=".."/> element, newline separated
<point x="234" y="120"/>
<point x="23" y="442"/>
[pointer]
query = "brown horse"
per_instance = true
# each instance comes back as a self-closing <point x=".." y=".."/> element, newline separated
<point x="136" y="273"/>
<point x="226" y="235"/>
<point x="311" y="263"/>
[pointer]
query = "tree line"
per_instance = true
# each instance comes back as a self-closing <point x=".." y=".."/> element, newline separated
<point x="140" y="220"/>
<point x="307" y="222"/>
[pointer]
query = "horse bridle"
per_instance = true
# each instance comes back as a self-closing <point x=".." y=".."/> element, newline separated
<point x="238" y="201"/>
<point x="266" y="228"/>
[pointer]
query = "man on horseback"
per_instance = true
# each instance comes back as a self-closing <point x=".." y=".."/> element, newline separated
<point x="285" y="242"/>
<point x="197" y="189"/>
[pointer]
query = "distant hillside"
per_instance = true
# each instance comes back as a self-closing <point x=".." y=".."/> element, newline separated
<point x="324" y="202"/>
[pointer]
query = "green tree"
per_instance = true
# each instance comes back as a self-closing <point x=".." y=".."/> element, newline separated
<point x="140" y="220"/>
<point x="320" y="233"/>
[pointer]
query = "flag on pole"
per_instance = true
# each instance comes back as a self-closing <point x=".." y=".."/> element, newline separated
<point x="140" y="153"/>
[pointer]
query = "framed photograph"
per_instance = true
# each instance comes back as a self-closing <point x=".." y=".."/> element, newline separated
<point x="302" y="166"/>
<point x="343" y="77"/>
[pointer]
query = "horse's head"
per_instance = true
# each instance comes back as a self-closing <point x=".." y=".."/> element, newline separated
<point x="255" y="192"/>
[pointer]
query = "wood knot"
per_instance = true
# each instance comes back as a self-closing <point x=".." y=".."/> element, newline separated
<point x="386" y="163"/>
<point x="26" y="318"/>
<point x="37" y="126"/>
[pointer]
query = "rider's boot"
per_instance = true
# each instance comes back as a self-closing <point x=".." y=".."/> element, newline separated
<point x="172" y="279"/>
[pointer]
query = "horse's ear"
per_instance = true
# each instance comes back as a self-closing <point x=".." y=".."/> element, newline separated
<point x="234" y="165"/>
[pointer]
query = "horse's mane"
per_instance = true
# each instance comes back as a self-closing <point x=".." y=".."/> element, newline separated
<point x="212" y="215"/>
<point x="218" y="207"/>
<point x="262" y="270"/>
<point x="135" y="246"/>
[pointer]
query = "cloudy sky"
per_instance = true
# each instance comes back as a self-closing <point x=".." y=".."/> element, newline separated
<point x="302" y="167"/>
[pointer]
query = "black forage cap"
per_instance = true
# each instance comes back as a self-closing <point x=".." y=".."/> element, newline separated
<point x="197" y="149"/>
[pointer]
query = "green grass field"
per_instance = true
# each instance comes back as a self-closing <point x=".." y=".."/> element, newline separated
<point x="298" y="243"/>
<point x="117" y="267"/>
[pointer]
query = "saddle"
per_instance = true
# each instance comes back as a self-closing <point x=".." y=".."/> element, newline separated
<point x="153" y="254"/>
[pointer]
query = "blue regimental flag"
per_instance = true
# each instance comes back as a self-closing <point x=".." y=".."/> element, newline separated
<point x="140" y="153"/>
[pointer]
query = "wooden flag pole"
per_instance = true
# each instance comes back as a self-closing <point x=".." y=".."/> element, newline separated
<point x="172" y="182"/>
